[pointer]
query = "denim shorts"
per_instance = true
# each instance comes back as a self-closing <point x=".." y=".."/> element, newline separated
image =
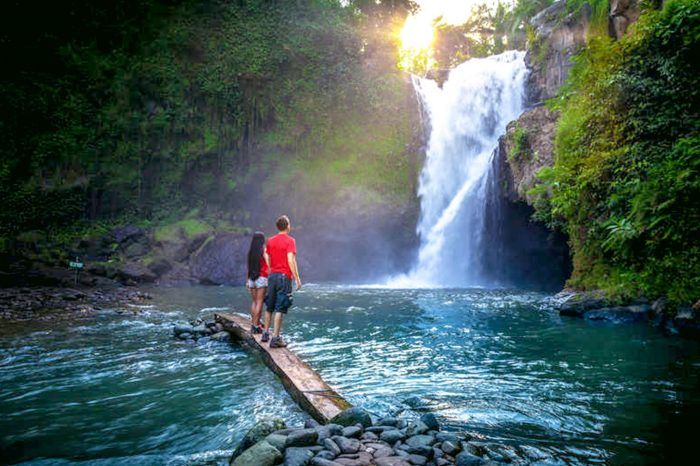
<point x="261" y="282"/>
<point x="279" y="293"/>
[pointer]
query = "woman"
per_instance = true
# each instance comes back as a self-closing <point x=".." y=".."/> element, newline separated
<point x="257" y="279"/>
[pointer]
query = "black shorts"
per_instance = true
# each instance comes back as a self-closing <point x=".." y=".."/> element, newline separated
<point x="279" y="293"/>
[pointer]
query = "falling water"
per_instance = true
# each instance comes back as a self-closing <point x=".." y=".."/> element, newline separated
<point x="466" y="117"/>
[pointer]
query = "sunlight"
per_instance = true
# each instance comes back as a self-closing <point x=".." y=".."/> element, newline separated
<point x="418" y="32"/>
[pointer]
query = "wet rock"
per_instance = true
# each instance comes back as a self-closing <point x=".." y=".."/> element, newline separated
<point x="420" y="441"/>
<point x="467" y="459"/>
<point x="620" y="314"/>
<point x="417" y="460"/>
<point x="392" y="436"/>
<point x="185" y="336"/>
<point x="352" y="416"/>
<point x="260" y="454"/>
<point x="160" y="266"/>
<point x="277" y="441"/>
<point x="382" y="452"/>
<point x="328" y="430"/>
<point x="135" y="272"/>
<point x="369" y="436"/>
<point x="302" y="438"/>
<point x="311" y="424"/>
<point x="297" y="456"/>
<point x="388" y="421"/>
<point x="416" y="428"/>
<point x="347" y="445"/>
<point x="318" y="461"/>
<point x="392" y="461"/>
<point x="221" y="261"/>
<point x="258" y="432"/>
<point x="446" y="436"/>
<point x="431" y="421"/>
<point x="352" y="432"/>
<point x="331" y="446"/>
<point x="180" y="329"/>
<point x="449" y="448"/>
<point x="325" y="455"/>
<point x="221" y="336"/>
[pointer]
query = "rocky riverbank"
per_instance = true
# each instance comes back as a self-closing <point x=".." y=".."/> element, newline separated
<point x="595" y="306"/>
<point x="354" y="439"/>
<point x="53" y="303"/>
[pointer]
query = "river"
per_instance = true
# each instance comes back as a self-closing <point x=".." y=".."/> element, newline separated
<point x="499" y="364"/>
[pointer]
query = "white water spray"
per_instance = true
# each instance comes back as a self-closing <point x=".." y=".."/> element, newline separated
<point x="466" y="118"/>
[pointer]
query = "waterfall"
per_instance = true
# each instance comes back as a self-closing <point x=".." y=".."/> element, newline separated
<point x="465" y="119"/>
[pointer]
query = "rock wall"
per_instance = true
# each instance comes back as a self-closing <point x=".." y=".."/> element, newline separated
<point x="559" y="35"/>
<point x="622" y="14"/>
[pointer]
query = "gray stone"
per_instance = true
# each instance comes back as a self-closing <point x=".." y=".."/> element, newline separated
<point x="379" y="429"/>
<point x="441" y="462"/>
<point x="620" y="314"/>
<point x="277" y="441"/>
<point x="416" y="428"/>
<point x="420" y="441"/>
<point x="352" y="432"/>
<point x="449" y="448"/>
<point x="302" y="438"/>
<point x="326" y="455"/>
<point x="311" y="423"/>
<point x="420" y="450"/>
<point x="179" y="329"/>
<point x="185" y="336"/>
<point x="221" y="260"/>
<point x="328" y="430"/>
<point x="347" y="445"/>
<point x="331" y="446"/>
<point x="473" y="448"/>
<point x="369" y="436"/>
<point x="297" y="456"/>
<point x="259" y="431"/>
<point x="260" y="454"/>
<point x="318" y="461"/>
<point x="388" y="421"/>
<point x="418" y="460"/>
<point x="437" y="453"/>
<point x="351" y="417"/>
<point x="221" y="336"/>
<point x="467" y="459"/>
<point x="392" y="436"/>
<point x="431" y="421"/>
<point x="445" y="436"/>
<point x="392" y="461"/>
<point x="382" y="452"/>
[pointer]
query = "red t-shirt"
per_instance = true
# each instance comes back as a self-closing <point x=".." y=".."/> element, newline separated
<point x="277" y="248"/>
<point x="263" y="267"/>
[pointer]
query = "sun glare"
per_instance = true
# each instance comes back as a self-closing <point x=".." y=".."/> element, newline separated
<point x="418" y="31"/>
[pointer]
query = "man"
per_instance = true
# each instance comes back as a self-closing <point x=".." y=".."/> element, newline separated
<point x="281" y="253"/>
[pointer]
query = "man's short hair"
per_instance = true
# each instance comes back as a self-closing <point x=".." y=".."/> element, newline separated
<point x="282" y="223"/>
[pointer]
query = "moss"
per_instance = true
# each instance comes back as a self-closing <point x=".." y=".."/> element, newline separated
<point x="187" y="228"/>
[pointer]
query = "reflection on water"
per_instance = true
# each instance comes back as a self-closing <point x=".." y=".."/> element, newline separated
<point x="495" y="363"/>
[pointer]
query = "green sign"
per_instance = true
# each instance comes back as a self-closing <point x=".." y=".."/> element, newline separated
<point x="75" y="265"/>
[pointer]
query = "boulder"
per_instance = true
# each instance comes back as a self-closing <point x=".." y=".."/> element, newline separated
<point x="392" y="436"/>
<point x="352" y="416"/>
<point x="258" y="432"/>
<point x="352" y="432"/>
<point x="620" y="314"/>
<point x="260" y="454"/>
<point x="467" y="459"/>
<point x="416" y="428"/>
<point x="420" y="441"/>
<point x="221" y="336"/>
<point x="301" y="438"/>
<point x="295" y="456"/>
<point x="392" y="461"/>
<point x="160" y="266"/>
<point x="221" y="261"/>
<point x="347" y="445"/>
<point x="276" y="440"/>
<point x="135" y="272"/>
<point x="431" y="421"/>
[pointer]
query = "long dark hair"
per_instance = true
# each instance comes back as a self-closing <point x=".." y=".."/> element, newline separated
<point x="255" y="253"/>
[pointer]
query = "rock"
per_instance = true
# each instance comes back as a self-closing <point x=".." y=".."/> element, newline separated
<point x="418" y="460"/>
<point x="310" y="423"/>
<point x="621" y="14"/>
<point x="258" y="432"/>
<point x="351" y="417"/>
<point x="382" y="452"/>
<point x="221" y="260"/>
<point x="446" y="436"/>
<point x="369" y="436"/>
<point x="318" y="461"/>
<point x="221" y="336"/>
<point x="420" y="441"/>
<point x="260" y="454"/>
<point x="302" y="438"/>
<point x="328" y="430"/>
<point x="331" y="446"/>
<point x="347" y="445"/>
<point x="416" y="428"/>
<point x="203" y="340"/>
<point x="352" y="432"/>
<point x="431" y="421"/>
<point x="392" y="461"/>
<point x="388" y="421"/>
<point x="379" y="429"/>
<point x="135" y="272"/>
<point x="467" y="459"/>
<point x="620" y="314"/>
<point x="559" y="36"/>
<point x="392" y="436"/>
<point x="473" y="448"/>
<point x="185" y="336"/>
<point x="449" y="448"/>
<point x="179" y="329"/>
<point x="297" y="456"/>
<point x="659" y="306"/>
<point x="160" y="266"/>
<point x="325" y="455"/>
<point x="201" y="329"/>
<point x="276" y="440"/>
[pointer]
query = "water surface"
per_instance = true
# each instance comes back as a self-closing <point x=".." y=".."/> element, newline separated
<point x="496" y="363"/>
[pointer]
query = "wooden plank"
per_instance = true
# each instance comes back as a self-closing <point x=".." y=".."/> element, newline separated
<point x="301" y="382"/>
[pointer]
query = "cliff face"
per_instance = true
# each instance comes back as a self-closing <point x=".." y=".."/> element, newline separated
<point x="622" y="13"/>
<point x="559" y="35"/>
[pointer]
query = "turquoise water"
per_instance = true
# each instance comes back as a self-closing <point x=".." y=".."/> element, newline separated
<point x="496" y="363"/>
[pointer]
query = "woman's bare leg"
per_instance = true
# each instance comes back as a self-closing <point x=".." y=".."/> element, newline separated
<point x="258" y="304"/>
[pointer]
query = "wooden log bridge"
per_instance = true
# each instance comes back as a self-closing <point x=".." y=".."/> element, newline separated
<point x="304" y="385"/>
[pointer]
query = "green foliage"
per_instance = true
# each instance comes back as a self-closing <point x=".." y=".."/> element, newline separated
<point x="625" y="180"/>
<point x="520" y="144"/>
